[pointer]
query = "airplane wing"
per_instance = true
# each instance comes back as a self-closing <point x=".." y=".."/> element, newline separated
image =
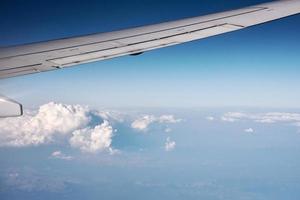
<point x="57" y="54"/>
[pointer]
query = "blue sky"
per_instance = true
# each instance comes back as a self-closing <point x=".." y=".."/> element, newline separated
<point x="254" y="67"/>
<point x="212" y="119"/>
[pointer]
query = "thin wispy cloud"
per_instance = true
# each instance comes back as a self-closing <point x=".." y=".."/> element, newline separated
<point x="269" y="117"/>
<point x="210" y="118"/>
<point x="60" y="155"/>
<point x="111" y="115"/>
<point x="249" y="130"/>
<point x="168" y="130"/>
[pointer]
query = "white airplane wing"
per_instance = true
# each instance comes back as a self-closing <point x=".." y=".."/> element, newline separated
<point x="57" y="54"/>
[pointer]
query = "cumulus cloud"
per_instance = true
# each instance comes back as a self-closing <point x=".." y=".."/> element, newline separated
<point x="249" y="130"/>
<point x="170" y="145"/>
<point x="53" y="121"/>
<point x="35" y="128"/>
<point x="60" y="155"/>
<point x="144" y="122"/>
<point x="270" y="117"/>
<point x="78" y="126"/>
<point x="93" y="140"/>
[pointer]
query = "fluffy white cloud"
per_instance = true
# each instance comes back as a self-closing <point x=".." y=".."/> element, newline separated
<point x="270" y="117"/>
<point x="168" y="119"/>
<point x="143" y="122"/>
<point x="170" y="145"/>
<point x="93" y="140"/>
<point x="53" y="121"/>
<point x="40" y="127"/>
<point x="78" y="126"/>
<point x="249" y="130"/>
<point x="60" y="155"/>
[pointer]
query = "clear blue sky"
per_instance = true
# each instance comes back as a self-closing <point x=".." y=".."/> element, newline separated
<point x="258" y="66"/>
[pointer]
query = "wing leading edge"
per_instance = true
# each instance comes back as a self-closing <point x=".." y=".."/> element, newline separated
<point x="56" y="54"/>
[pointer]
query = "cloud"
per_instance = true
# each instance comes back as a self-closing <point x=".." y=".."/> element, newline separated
<point x="168" y="130"/>
<point x="60" y="155"/>
<point x="35" y="128"/>
<point x="249" y="130"/>
<point x="210" y="118"/>
<point x="111" y="115"/>
<point x="170" y="145"/>
<point x="233" y="116"/>
<point x="54" y="121"/>
<point x="168" y="119"/>
<point x="145" y="121"/>
<point x="93" y="140"/>
<point x="270" y="117"/>
<point x="90" y="131"/>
